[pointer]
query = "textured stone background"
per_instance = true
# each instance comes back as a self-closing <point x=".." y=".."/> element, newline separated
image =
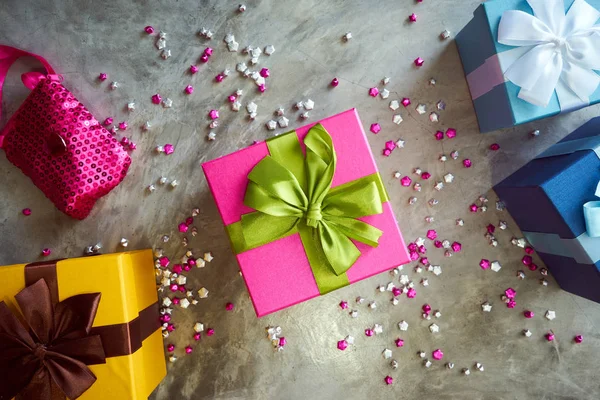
<point x="82" y="38"/>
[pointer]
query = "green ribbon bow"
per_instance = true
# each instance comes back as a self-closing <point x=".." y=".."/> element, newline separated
<point x="293" y="194"/>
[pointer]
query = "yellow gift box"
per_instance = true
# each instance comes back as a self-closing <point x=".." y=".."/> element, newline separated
<point x="129" y="303"/>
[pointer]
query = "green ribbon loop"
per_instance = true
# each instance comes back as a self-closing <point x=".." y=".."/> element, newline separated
<point x="292" y="193"/>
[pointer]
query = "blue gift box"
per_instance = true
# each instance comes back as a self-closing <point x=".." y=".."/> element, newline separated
<point x="498" y="106"/>
<point x="546" y="199"/>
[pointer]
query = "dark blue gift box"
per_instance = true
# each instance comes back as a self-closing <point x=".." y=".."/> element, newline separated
<point x="546" y="199"/>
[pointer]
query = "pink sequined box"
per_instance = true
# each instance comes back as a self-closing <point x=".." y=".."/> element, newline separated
<point x="278" y="274"/>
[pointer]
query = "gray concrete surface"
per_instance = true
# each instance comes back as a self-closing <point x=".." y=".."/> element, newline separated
<point x="82" y="38"/>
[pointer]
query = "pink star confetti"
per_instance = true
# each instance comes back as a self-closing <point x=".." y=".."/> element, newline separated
<point x="335" y="82"/>
<point x="473" y="208"/>
<point x="405" y="181"/>
<point x="46" y="252"/>
<point x="343" y="304"/>
<point x="532" y="267"/>
<point x="431" y="234"/>
<point x="369" y="332"/>
<point x="103" y="76"/>
<point x="373" y="92"/>
<point x="156" y="98"/>
<point x="426" y="308"/>
<point x="188" y="349"/>
<point x="213" y="114"/>
<point x="108" y="121"/>
<point x="510" y="293"/>
<point x="375" y="128"/>
<point x="527" y="260"/>
<point x="123" y="126"/>
<point x="26" y="212"/>
<point x="189" y="89"/>
<point x="210" y="332"/>
<point x="219" y="77"/>
<point x="229" y="306"/>
<point x="208" y="51"/>
<point x="197" y="336"/>
<point x="511" y="304"/>
<point x="232" y="98"/>
<point x="399" y="342"/>
<point x="164" y="261"/>
<point x="406" y="102"/>
<point x="390" y="145"/>
<point x="425" y="175"/>
<point x="467" y="163"/>
<point x="450" y="133"/>
<point x="169" y="148"/>
<point x="170" y="348"/>
<point x="423" y="249"/>
<point x="265" y="73"/>
<point x="388" y="380"/>
<point x="529" y="250"/>
<point x="578" y="339"/>
<point x="528" y="314"/>
<point x="456" y="247"/>
<point x="342" y="345"/>
<point x="411" y="294"/>
<point x="484" y="264"/>
<point x="424" y="261"/>
<point x="282" y="341"/>
<point x="149" y="30"/>
<point x="437" y="354"/>
<point x="419" y="62"/>
<point x="396" y="292"/>
<point x="414" y="256"/>
<point x="262" y="88"/>
<point x="439" y="135"/>
<point x="437" y="244"/>
<point x="193" y="69"/>
<point x="550" y="336"/>
<point x="412" y="17"/>
<point x="495" y="147"/>
<point x="491" y="228"/>
<point x="183" y="227"/>
<point x="204" y="58"/>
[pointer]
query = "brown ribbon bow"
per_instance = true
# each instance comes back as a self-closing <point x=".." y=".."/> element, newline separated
<point x="48" y="361"/>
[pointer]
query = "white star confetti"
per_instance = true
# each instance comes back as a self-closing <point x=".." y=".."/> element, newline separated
<point x="397" y="119"/>
<point x="479" y="366"/>
<point x="241" y="67"/>
<point x="421" y="109"/>
<point x="420" y="241"/>
<point x="354" y="314"/>
<point x="400" y="143"/>
<point x="434" y="117"/>
<point x="114" y="85"/>
<point x="203" y="293"/>
<point x="283" y="122"/>
<point x="403" y="325"/>
<point x="167" y="103"/>
<point x="466" y="371"/>
<point x="236" y="105"/>
<point x="441" y="105"/>
<point x="305" y="115"/>
<point x="437" y="270"/>
<point x="269" y="49"/>
<point x="443" y="158"/>
<point x="271" y="125"/>
<point x="211" y="136"/>
<point x="432" y="81"/>
<point x="394" y="105"/>
<point x="233" y="46"/>
<point x="372" y="305"/>
<point x="425" y="282"/>
<point x="378" y="329"/>
<point x="165" y="54"/>
<point x="348" y="36"/>
<point x="404" y="279"/>
<point x="280" y="111"/>
<point x="131" y="106"/>
<point x="412" y="200"/>
<point x="387" y="354"/>
<point x="184" y="303"/>
<point x="527" y="333"/>
<point x="208" y="257"/>
<point x="550" y="315"/>
<point x="359" y="300"/>
<point x="199" y="327"/>
<point x="445" y="34"/>
<point x="385" y="80"/>
<point x="151" y="188"/>
<point x="460" y="222"/>
<point x="251" y="107"/>
<point x="486" y="307"/>
<point x="309" y="104"/>
<point x="147" y="125"/>
<point x="439" y="186"/>
<point x="454" y="154"/>
<point x="384" y="93"/>
<point x="229" y="38"/>
<point x="495" y="266"/>
<point x="427" y="363"/>
<point x="421" y="354"/>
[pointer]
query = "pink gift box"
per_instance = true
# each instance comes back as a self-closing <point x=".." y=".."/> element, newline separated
<point x="278" y="274"/>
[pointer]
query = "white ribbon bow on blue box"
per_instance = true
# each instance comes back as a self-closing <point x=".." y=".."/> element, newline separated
<point x="555" y="52"/>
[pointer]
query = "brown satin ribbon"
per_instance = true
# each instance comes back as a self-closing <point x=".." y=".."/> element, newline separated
<point x="118" y="339"/>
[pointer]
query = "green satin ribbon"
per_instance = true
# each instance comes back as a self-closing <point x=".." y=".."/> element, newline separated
<point x="292" y="194"/>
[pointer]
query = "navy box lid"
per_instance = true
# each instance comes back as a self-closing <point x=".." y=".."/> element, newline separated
<point x="547" y="195"/>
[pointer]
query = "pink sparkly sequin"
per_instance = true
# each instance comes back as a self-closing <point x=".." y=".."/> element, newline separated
<point x="177" y="268"/>
<point x="528" y="314"/>
<point x="197" y="336"/>
<point x="467" y="163"/>
<point x="529" y="250"/>
<point x="229" y="306"/>
<point x="342" y="345"/>
<point x="405" y="181"/>
<point x="231" y="99"/>
<point x="473" y="208"/>
<point x="437" y="354"/>
<point x="388" y="380"/>
<point x="399" y="342"/>
<point x="265" y="73"/>
<point x="193" y="69"/>
<point x="426" y="308"/>
<point x="511" y="304"/>
<point x="219" y="77"/>
<point x="189" y="89"/>
<point x="424" y="261"/>
<point x="165" y="318"/>
<point x="578" y="339"/>
<point x="386" y="152"/>
<point x="208" y="51"/>
<point x="419" y="62"/>
<point x="439" y="135"/>
<point x="414" y="256"/>
<point x="550" y="336"/>
<point x="192" y="262"/>
<point x="373" y="92"/>
<point x="171" y="327"/>
<point x="171" y="348"/>
<point x="210" y="332"/>
<point x="335" y="82"/>
<point x="169" y="148"/>
<point x="495" y="147"/>
<point x="262" y="88"/>
<point x="282" y="341"/>
<point x="412" y="247"/>
<point x="26" y="211"/>
<point x="431" y="234"/>
<point x="176" y="301"/>
<point x="484" y="264"/>
<point x="456" y="247"/>
<point x="422" y="249"/>
<point x="491" y="228"/>
<point x="103" y="76"/>
<point x="412" y="17"/>
<point x="156" y="98"/>
<point x="411" y="294"/>
<point x="450" y="133"/>
<point x="164" y="261"/>
<point x="390" y="145"/>
<point x="108" y="121"/>
<point x="149" y="30"/>
<point x="204" y="58"/>
<point x="396" y="292"/>
<point x="186" y="267"/>
<point x="438" y="244"/>
<point x="189" y="221"/>
<point x="183" y="227"/>
<point x="188" y="349"/>
<point x="369" y="332"/>
<point x="375" y="128"/>
<point x="527" y="260"/>
<point x="425" y="175"/>
<point x="174" y="287"/>
<point x="510" y="293"/>
<point x="406" y="102"/>
<point x="343" y="304"/>
<point x="46" y="252"/>
<point x="532" y="267"/>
